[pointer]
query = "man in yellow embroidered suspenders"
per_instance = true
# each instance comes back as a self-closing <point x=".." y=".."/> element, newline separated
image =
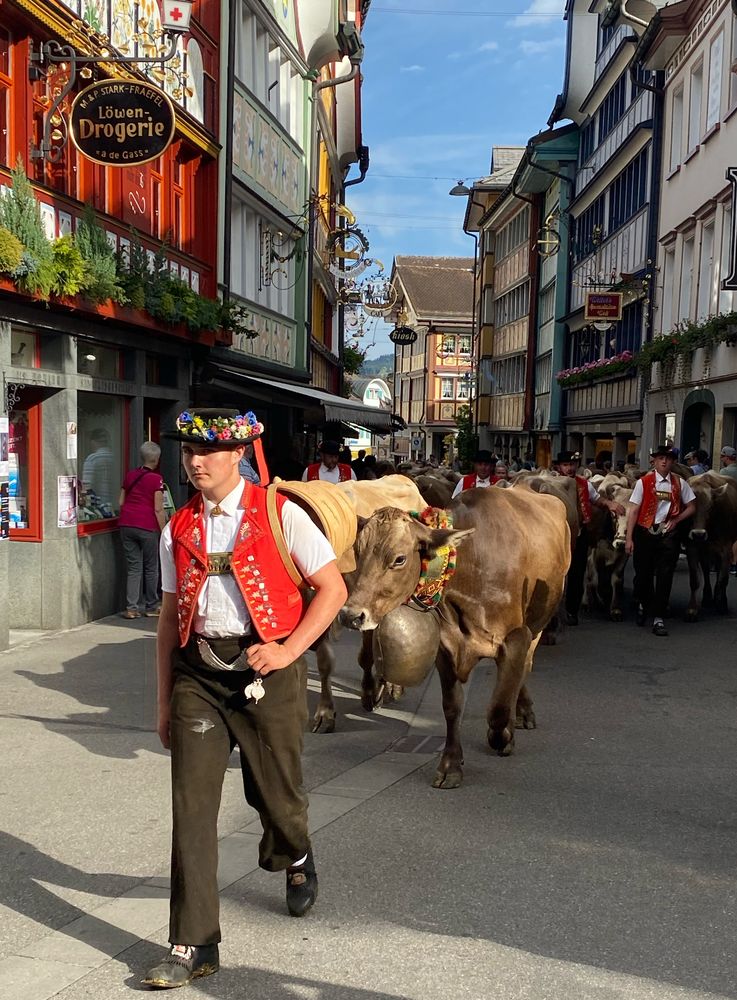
<point x="231" y="635"/>
<point x="660" y="501"/>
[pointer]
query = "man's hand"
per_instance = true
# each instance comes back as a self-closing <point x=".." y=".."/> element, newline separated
<point x="629" y="546"/>
<point x="163" y="728"/>
<point x="615" y="508"/>
<point x="270" y="656"/>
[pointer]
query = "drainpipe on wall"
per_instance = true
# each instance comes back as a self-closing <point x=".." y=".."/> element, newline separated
<point x="228" y="195"/>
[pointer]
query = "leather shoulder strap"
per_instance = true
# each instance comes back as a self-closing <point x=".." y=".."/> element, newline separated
<point x="272" y="512"/>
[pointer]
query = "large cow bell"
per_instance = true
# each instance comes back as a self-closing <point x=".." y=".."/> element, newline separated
<point x="406" y="643"/>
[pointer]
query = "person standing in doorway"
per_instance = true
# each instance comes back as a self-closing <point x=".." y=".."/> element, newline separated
<point x="141" y="520"/>
<point x="231" y="635"/>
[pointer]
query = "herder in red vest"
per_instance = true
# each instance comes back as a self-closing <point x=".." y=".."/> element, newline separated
<point x="587" y="497"/>
<point x="231" y="635"/>
<point x="481" y="476"/>
<point x="660" y="501"/>
<point x="330" y="470"/>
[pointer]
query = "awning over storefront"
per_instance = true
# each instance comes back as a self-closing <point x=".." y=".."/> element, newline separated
<point x="336" y="408"/>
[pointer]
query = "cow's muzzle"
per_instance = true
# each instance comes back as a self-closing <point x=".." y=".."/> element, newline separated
<point x="698" y="535"/>
<point x="618" y="544"/>
<point x="353" y="619"/>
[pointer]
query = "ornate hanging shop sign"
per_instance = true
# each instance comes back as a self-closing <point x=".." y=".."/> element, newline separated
<point x="603" y="306"/>
<point x="121" y="122"/>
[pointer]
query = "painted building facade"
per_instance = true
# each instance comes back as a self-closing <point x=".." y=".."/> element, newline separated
<point x="612" y="224"/>
<point x="692" y="397"/>
<point x="85" y="384"/>
<point x="434" y="377"/>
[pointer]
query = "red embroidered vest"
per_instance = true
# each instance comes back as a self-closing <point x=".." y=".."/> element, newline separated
<point x="584" y="500"/>
<point x="313" y="472"/>
<point x="650" y="499"/>
<point x="469" y="481"/>
<point x="273" y="600"/>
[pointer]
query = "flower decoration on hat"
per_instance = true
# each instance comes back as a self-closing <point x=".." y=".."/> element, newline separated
<point x="240" y="427"/>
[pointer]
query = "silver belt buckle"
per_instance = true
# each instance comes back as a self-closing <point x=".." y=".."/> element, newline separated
<point x="214" y="661"/>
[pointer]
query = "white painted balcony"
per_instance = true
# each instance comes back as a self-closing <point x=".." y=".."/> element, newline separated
<point x="606" y="397"/>
<point x="607" y="53"/>
<point x="624" y="252"/>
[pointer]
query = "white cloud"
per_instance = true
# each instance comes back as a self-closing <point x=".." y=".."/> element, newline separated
<point x="454" y="55"/>
<point x="532" y="48"/>
<point x="489" y="47"/>
<point x="414" y="68"/>
<point x="540" y="12"/>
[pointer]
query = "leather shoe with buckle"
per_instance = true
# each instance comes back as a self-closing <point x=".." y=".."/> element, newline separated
<point x="302" y="887"/>
<point x="183" y="964"/>
<point x="640" y="615"/>
<point x="659" y="629"/>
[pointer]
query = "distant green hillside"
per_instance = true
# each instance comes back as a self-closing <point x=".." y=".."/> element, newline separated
<point x="381" y="366"/>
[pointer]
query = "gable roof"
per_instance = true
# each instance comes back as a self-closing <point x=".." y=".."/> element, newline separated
<point x="438" y="287"/>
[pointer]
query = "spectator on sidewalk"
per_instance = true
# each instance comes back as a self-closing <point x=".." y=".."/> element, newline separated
<point x="141" y="519"/>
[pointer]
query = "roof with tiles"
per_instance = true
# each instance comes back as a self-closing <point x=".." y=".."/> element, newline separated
<point x="437" y="287"/>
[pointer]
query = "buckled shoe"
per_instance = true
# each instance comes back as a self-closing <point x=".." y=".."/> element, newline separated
<point x="183" y="964"/>
<point x="302" y="887"/>
<point x="640" y="615"/>
<point x="659" y="629"/>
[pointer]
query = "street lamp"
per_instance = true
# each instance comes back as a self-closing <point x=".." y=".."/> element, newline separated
<point x="175" y="23"/>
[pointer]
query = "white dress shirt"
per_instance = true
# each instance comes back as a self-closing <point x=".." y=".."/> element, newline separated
<point x="480" y="484"/>
<point x="221" y="610"/>
<point x="662" y="485"/>
<point x="327" y="475"/>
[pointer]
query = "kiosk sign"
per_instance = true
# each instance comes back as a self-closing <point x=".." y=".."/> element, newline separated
<point x="120" y="123"/>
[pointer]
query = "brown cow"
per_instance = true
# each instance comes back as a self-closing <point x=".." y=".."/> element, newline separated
<point x="513" y="556"/>
<point x="607" y="558"/>
<point x="709" y="545"/>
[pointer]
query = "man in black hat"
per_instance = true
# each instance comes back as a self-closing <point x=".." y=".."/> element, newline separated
<point x="660" y="502"/>
<point x="231" y="636"/>
<point x="586" y="498"/>
<point x="330" y="469"/>
<point x="481" y="476"/>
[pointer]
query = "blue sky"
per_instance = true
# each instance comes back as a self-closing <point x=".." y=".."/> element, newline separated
<point x="445" y="81"/>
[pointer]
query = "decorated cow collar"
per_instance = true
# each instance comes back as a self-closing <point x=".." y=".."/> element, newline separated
<point x="435" y="570"/>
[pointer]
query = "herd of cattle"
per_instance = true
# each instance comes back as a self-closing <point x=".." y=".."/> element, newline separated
<point x="514" y="543"/>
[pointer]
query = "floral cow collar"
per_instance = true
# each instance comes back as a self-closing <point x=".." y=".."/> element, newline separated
<point x="435" y="570"/>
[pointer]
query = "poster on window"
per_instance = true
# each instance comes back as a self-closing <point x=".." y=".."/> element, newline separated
<point x="4" y="512"/>
<point x="66" y="501"/>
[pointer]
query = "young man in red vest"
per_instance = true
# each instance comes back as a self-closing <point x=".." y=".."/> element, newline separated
<point x="231" y="635"/>
<point x="660" y="501"/>
<point x="329" y="470"/>
<point x="481" y="476"/>
<point x="587" y="497"/>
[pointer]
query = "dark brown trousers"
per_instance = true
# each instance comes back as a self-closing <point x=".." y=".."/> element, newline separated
<point x="209" y="717"/>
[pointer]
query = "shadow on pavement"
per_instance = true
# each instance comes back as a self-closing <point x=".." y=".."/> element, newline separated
<point x="22" y="871"/>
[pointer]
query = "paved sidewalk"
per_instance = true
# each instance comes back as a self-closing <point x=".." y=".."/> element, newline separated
<point x="596" y="863"/>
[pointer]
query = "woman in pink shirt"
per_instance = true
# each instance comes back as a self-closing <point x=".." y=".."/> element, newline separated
<point x="141" y="520"/>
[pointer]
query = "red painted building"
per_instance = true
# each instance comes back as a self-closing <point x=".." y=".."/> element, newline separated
<point x="76" y="374"/>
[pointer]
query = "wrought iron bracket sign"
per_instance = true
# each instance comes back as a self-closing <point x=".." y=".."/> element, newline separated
<point x="730" y="282"/>
<point x="121" y="122"/>
<point x="403" y="335"/>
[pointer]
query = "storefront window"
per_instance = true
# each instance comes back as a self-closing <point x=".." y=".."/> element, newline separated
<point x="100" y="424"/>
<point x="24" y="348"/>
<point x="101" y="362"/>
<point x="24" y="474"/>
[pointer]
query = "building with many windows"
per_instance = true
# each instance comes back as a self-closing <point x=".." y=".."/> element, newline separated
<point x="85" y="379"/>
<point x="691" y="395"/>
<point x="612" y="224"/>
<point x="435" y="376"/>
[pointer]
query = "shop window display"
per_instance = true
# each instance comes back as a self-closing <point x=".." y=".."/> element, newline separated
<point x="100" y="455"/>
<point x="24" y="472"/>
